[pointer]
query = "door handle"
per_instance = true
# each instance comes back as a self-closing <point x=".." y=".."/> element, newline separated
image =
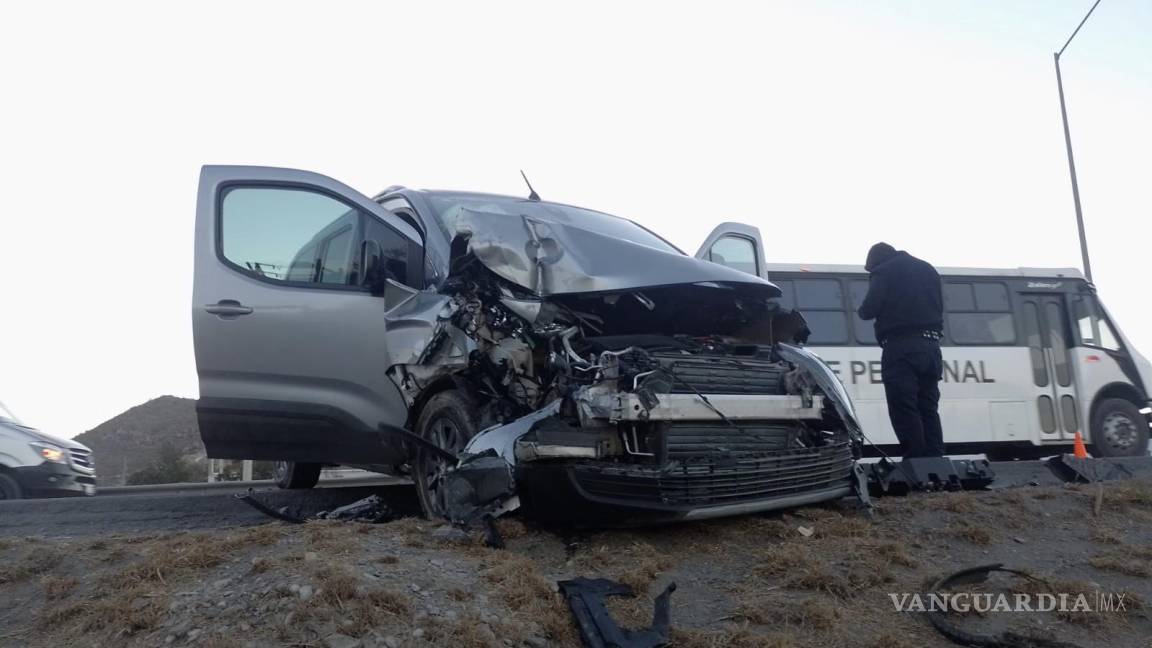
<point x="228" y="308"/>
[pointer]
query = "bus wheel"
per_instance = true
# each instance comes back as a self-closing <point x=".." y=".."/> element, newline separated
<point x="1119" y="430"/>
<point x="294" y="475"/>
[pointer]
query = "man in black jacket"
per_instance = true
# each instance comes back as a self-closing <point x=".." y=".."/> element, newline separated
<point x="905" y="298"/>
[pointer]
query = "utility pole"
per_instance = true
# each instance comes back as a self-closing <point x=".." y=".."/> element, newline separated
<point x="1068" y="145"/>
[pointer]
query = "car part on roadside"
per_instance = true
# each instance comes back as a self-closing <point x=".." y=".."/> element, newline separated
<point x="283" y="513"/>
<point x="1008" y="639"/>
<point x="1086" y="471"/>
<point x="598" y="629"/>
<point x="370" y="509"/>
<point x="886" y="477"/>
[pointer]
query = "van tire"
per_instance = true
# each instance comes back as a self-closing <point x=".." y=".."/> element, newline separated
<point x="9" y="489"/>
<point x="1119" y="429"/>
<point x="448" y="419"/>
<point x="296" y="475"/>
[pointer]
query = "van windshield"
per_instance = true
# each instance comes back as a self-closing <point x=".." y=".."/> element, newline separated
<point x="448" y="206"/>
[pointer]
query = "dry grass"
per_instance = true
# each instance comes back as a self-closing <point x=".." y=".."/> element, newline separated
<point x="889" y="639"/>
<point x="1105" y="535"/>
<point x="126" y="612"/>
<point x="35" y="562"/>
<point x="57" y="587"/>
<point x="951" y="502"/>
<point x="797" y="566"/>
<point x="806" y="614"/>
<point x="976" y="534"/>
<point x="633" y="562"/>
<point x="1123" y="564"/>
<point x="527" y="593"/>
<point x="732" y="638"/>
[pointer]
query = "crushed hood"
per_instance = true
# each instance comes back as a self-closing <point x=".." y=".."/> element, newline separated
<point x="556" y="258"/>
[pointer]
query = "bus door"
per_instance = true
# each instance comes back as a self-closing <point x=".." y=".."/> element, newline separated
<point x="1047" y="334"/>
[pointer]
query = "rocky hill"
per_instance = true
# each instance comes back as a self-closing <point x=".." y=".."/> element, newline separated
<point x="131" y="441"/>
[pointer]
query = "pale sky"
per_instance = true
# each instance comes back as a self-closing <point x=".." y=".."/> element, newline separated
<point x="933" y="125"/>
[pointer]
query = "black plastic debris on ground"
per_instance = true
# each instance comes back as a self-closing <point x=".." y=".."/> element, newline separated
<point x="597" y="627"/>
<point x="973" y="576"/>
<point x="928" y="474"/>
<point x="1077" y="470"/>
<point x="363" y="503"/>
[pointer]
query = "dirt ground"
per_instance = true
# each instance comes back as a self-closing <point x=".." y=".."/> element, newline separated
<point x="819" y="576"/>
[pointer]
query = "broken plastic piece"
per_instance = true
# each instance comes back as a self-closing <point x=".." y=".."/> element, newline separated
<point x="370" y="509"/>
<point x="281" y="514"/>
<point x="974" y="575"/>
<point x="597" y="627"/>
<point x="928" y="474"/>
<point x="1078" y="470"/>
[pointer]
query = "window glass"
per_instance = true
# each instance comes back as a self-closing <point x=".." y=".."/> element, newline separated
<point x="303" y="267"/>
<point x="865" y="331"/>
<point x="1047" y="414"/>
<point x="386" y="254"/>
<point x="1068" y="413"/>
<point x="828" y="327"/>
<point x="959" y="297"/>
<point x="992" y="297"/>
<point x="337" y="266"/>
<point x="273" y="233"/>
<point x="788" y="294"/>
<point x="819" y="293"/>
<point x="1035" y="343"/>
<point x="981" y="328"/>
<point x="1092" y="329"/>
<point x="736" y="252"/>
<point x="1057" y="341"/>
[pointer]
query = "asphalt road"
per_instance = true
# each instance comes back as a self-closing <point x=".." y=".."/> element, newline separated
<point x="183" y="509"/>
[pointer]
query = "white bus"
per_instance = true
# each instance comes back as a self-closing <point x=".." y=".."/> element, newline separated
<point x="1031" y="355"/>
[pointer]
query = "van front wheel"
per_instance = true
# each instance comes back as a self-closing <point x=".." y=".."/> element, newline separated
<point x="9" y="489"/>
<point x="1119" y="430"/>
<point x="296" y="475"/>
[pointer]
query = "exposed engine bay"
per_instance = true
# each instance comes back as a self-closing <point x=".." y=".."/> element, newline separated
<point x="683" y="400"/>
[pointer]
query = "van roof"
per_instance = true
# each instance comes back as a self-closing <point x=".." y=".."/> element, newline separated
<point x="831" y="268"/>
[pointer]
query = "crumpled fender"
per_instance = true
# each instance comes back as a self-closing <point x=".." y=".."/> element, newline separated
<point x="827" y="380"/>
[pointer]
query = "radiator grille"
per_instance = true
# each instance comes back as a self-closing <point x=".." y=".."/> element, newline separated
<point x="717" y="482"/>
<point x="82" y="460"/>
<point x="701" y="438"/>
<point x="722" y="374"/>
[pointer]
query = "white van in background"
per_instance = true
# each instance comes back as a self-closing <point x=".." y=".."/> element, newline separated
<point x="34" y="464"/>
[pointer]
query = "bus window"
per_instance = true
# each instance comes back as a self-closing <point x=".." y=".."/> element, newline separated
<point x="821" y="302"/>
<point x="978" y="314"/>
<point x="865" y="331"/>
<point x="787" y="294"/>
<point x="1093" y="330"/>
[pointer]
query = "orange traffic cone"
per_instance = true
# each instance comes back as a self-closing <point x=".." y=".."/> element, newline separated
<point x="1078" y="449"/>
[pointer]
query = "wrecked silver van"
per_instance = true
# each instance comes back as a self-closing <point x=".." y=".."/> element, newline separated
<point x="504" y="352"/>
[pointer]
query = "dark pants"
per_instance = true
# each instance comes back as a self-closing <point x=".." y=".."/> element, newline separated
<point x="912" y="368"/>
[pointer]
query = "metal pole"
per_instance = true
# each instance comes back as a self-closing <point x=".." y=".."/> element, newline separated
<point x="1072" y="168"/>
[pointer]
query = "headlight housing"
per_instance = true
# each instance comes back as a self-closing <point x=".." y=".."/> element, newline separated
<point x="50" y="453"/>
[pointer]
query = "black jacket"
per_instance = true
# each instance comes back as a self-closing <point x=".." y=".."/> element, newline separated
<point x="904" y="297"/>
